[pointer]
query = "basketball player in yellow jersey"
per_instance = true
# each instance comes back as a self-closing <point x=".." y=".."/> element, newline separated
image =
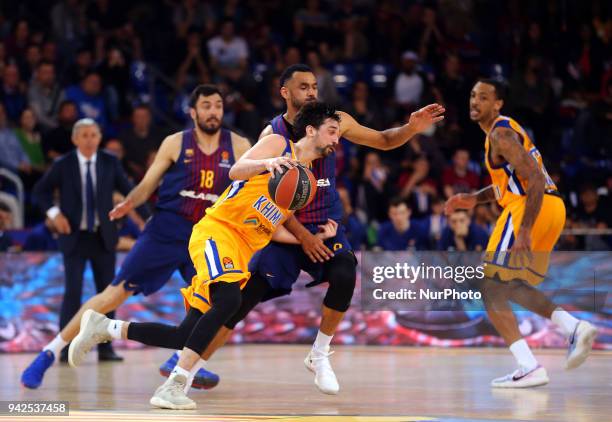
<point x="518" y="252"/>
<point x="243" y="220"/>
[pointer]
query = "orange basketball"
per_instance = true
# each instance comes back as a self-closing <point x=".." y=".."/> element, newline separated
<point x="293" y="189"/>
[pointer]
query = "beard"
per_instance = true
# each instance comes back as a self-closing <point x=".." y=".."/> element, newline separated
<point x="210" y="126"/>
<point x="298" y="104"/>
<point x="325" y="151"/>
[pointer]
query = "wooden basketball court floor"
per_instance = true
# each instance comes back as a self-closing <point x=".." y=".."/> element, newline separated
<point x="270" y="383"/>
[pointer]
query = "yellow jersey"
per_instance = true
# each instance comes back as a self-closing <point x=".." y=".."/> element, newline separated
<point x="246" y="207"/>
<point x="511" y="186"/>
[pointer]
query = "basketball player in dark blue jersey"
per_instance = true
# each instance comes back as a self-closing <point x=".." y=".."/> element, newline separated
<point x="275" y="268"/>
<point x="193" y="169"/>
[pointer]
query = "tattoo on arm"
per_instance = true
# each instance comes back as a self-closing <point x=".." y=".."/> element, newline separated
<point x="507" y="144"/>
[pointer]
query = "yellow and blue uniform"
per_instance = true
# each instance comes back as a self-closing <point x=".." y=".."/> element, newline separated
<point x="240" y="223"/>
<point x="513" y="198"/>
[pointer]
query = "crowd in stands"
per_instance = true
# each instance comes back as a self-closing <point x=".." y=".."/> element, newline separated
<point x="131" y="65"/>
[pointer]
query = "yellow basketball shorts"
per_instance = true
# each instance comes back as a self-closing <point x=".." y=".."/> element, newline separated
<point x="500" y="264"/>
<point x="218" y="253"/>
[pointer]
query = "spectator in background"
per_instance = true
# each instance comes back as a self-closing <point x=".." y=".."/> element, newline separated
<point x="591" y="213"/>
<point x="12" y="93"/>
<point x="355" y="44"/>
<point x="356" y="232"/>
<point x="69" y="25"/>
<point x="89" y="100"/>
<point x="29" y="138"/>
<point x="115" y="147"/>
<point x="42" y="237"/>
<point x="458" y="178"/>
<point x="17" y="42"/>
<point x="326" y="86"/>
<point x="192" y="14"/>
<point x="32" y="58"/>
<point x="45" y="95"/>
<point x="462" y="235"/>
<point x="139" y="140"/>
<point x="409" y="85"/>
<point x="115" y="73"/>
<point x="362" y="108"/>
<point x="6" y="218"/>
<point x="58" y="141"/>
<point x="192" y="70"/>
<point x="82" y="66"/>
<point x="372" y="190"/>
<point x="454" y="89"/>
<point x="12" y="155"/>
<point x="434" y="223"/>
<point x="228" y="50"/>
<point x="400" y="233"/>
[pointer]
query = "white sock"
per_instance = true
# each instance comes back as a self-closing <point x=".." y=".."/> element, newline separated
<point x="322" y="342"/>
<point x="56" y="345"/>
<point x="199" y="364"/>
<point x="179" y="371"/>
<point x="522" y="354"/>
<point x="114" y="328"/>
<point x="564" y="320"/>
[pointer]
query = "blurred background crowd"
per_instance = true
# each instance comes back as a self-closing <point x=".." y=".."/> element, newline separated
<point x="130" y="65"/>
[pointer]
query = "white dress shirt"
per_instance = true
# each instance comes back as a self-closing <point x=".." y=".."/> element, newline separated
<point x="55" y="210"/>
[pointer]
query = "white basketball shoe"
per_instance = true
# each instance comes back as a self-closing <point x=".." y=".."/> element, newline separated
<point x="580" y="344"/>
<point x="522" y="378"/>
<point x="317" y="361"/>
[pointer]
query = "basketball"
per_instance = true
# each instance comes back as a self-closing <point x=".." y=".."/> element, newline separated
<point x="293" y="189"/>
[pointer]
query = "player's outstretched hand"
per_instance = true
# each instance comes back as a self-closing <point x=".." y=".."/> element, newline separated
<point x="275" y="164"/>
<point x="121" y="209"/>
<point x="459" y="201"/>
<point x="423" y="118"/>
<point x="328" y="230"/>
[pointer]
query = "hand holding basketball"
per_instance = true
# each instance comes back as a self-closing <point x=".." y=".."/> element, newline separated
<point x="275" y="165"/>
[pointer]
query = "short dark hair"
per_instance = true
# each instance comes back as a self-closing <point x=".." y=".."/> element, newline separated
<point x="397" y="201"/>
<point x="205" y="90"/>
<point x="66" y="103"/>
<point x="501" y="88"/>
<point x="288" y="72"/>
<point x="313" y="114"/>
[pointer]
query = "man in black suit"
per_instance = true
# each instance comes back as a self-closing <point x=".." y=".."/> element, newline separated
<point x="86" y="179"/>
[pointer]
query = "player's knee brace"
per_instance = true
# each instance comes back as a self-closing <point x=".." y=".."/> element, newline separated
<point x="252" y="294"/>
<point x="225" y="299"/>
<point x="341" y="275"/>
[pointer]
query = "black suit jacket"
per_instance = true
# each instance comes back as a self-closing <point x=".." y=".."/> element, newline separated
<point x="65" y="176"/>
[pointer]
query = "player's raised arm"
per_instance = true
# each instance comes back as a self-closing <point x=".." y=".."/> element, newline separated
<point x="419" y="121"/>
<point x="263" y="156"/>
<point x="506" y="143"/>
<point x="166" y="155"/>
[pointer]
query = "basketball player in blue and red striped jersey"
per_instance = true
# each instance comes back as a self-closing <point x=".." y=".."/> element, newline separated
<point x="193" y="168"/>
<point x="275" y="268"/>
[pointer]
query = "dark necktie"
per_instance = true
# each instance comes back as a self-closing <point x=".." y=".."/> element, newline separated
<point x="89" y="195"/>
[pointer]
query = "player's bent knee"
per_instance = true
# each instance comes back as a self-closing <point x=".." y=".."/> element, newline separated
<point x="341" y="276"/>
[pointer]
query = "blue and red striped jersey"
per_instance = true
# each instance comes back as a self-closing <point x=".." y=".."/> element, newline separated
<point x="195" y="180"/>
